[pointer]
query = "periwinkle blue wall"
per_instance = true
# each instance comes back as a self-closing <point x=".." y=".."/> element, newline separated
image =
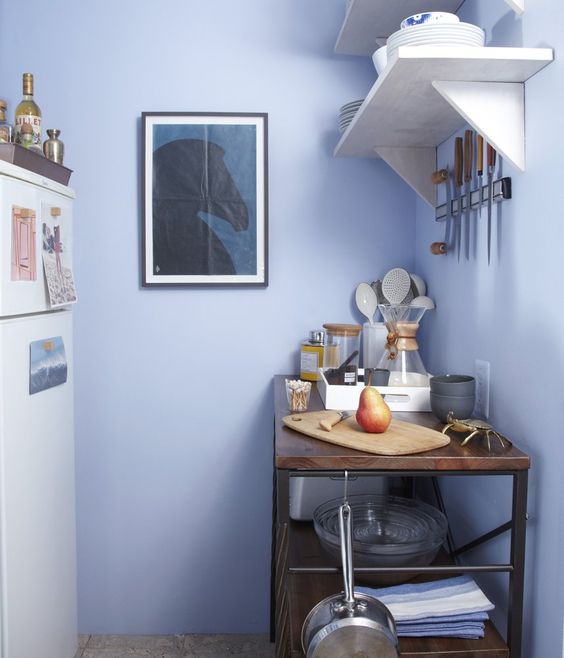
<point x="511" y="315"/>
<point x="174" y="395"/>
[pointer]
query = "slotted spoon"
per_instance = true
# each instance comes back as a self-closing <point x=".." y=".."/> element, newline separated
<point x="396" y="285"/>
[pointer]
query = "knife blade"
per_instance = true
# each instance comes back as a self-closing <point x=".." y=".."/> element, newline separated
<point x="492" y="155"/>
<point x="333" y="419"/>
<point x="458" y="190"/>
<point x="480" y="169"/>
<point x="468" y="162"/>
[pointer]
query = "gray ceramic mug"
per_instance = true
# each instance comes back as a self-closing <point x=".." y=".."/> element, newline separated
<point x="461" y="407"/>
<point x="453" y="385"/>
<point x="376" y="377"/>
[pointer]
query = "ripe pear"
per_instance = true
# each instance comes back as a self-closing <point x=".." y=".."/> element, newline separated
<point x="373" y="414"/>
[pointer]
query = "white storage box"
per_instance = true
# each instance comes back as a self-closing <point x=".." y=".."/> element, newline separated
<point x="398" y="398"/>
<point x="307" y="493"/>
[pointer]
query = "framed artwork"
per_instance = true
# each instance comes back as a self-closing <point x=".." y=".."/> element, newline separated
<point x="205" y="199"/>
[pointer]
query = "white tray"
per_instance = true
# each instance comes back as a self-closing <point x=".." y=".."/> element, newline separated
<point x="398" y="398"/>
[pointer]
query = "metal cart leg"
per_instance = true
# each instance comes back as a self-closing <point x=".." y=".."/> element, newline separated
<point x="517" y="559"/>
<point x="279" y="622"/>
<point x="273" y="561"/>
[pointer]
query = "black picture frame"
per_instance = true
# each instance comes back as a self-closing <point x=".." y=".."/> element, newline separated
<point x="204" y="199"/>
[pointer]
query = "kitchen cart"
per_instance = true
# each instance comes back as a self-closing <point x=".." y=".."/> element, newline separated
<point x="302" y="575"/>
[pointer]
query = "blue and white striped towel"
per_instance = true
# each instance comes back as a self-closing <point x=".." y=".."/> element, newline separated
<point x="469" y="631"/>
<point x="465" y="626"/>
<point x="471" y="617"/>
<point x="439" y="598"/>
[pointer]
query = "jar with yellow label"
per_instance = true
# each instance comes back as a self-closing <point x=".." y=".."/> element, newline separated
<point x="311" y="356"/>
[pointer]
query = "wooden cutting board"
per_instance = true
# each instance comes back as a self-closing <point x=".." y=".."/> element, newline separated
<point x="400" y="438"/>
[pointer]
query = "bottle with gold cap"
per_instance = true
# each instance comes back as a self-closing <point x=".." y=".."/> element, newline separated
<point x="6" y="128"/>
<point x="28" y="111"/>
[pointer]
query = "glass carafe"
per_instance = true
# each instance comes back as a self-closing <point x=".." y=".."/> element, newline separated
<point x="401" y="356"/>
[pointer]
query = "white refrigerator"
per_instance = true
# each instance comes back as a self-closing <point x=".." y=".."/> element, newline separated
<point x="37" y="470"/>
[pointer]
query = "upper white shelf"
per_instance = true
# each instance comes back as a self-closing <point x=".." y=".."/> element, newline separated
<point x="427" y="93"/>
<point x="369" y="22"/>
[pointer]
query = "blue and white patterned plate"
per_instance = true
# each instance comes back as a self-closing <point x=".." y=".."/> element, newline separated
<point x="429" y="17"/>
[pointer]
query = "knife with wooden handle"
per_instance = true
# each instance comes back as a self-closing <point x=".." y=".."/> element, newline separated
<point x="458" y="187"/>
<point x="336" y="417"/>
<point x="492" y="154"/>
<point x="480" y="169"/>
<point x="439" y="176"/>
<point x="468" y="162"/>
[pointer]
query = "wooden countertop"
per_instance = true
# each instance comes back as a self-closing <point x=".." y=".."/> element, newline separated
<point x="293" y="450"/>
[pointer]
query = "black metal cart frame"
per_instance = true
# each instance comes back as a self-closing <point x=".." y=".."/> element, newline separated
<point x="514" y="567"/>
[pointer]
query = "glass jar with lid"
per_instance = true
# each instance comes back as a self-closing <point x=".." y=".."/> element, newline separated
<point x="341" y="353"/>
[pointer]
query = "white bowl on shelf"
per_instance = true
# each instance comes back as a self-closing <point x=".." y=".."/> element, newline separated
<point x="380" y="59"/>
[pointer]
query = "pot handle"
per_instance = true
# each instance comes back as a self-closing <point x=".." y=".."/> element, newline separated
<point x="345" y="530"/>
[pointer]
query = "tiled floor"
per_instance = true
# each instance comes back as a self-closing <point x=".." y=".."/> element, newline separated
<point x="174" y="646"/>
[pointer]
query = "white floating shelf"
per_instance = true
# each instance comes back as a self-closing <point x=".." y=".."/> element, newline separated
<point x="427" y="93"/>
<point x="518" y="6"/>
<point x="368" y="22"/>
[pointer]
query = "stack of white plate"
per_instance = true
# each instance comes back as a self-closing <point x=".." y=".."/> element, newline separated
<point x="347" y="112"/>
<point x="436" y="34"/>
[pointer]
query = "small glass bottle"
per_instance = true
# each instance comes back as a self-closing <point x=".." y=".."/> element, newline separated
<point x="28" y="111"/>
<point x="6" y="128"/>
<point x="26" y="136"/>
<point x="53" y="148"/>
<point x="311" y="356"/>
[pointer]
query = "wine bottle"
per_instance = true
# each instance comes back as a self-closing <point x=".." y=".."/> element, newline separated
<point x="28" y="111"/>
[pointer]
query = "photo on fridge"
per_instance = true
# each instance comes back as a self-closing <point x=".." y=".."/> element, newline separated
<point x="23" y="244"/>
<point x="56" y="262"/>
<point x="47" y="364"/>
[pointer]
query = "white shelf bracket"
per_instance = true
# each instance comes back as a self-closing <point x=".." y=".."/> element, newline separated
<point x="518" y="6"/>
<point x="415" y="165"/>
<point x="496" y="110"/>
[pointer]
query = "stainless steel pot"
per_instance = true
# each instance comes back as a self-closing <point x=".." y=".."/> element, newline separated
<point x="349" y="624"/>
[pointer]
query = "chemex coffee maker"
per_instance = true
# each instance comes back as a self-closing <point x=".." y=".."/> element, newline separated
<point x="401" y="356"/>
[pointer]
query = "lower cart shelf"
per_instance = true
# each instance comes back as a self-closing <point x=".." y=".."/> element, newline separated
<point x="307" y="590"/>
